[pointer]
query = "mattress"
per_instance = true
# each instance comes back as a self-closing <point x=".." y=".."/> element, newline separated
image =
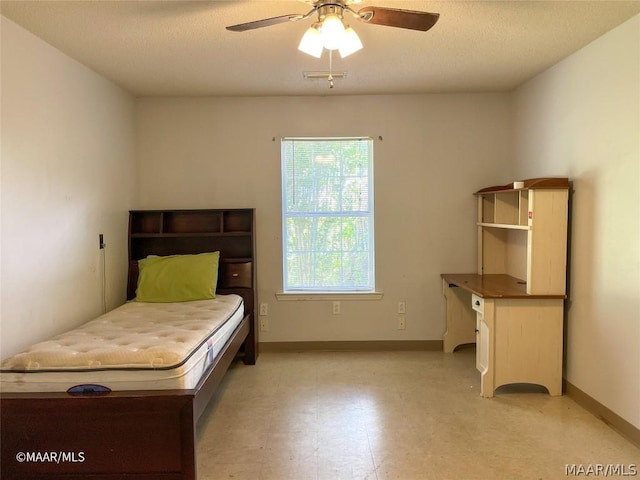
<point x="137" y="346"/>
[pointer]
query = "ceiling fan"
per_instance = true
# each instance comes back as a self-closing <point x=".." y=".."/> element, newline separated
<point x="330" y="30"/>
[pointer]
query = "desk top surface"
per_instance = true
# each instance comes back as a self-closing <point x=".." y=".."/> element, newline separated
<point x="492" y="286"/>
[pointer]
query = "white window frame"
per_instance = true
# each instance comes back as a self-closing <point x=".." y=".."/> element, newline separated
<point x="318" y="292"/>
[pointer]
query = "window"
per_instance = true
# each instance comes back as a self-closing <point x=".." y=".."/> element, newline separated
<point x="327" y="215"/>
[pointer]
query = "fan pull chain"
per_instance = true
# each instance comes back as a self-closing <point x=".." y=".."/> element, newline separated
<point x="330" y="77"/>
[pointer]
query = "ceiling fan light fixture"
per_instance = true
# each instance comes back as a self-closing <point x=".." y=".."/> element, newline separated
<point x="311" y="42"/>
<point x="351" y="43"/>
<point x="332" y="31"/>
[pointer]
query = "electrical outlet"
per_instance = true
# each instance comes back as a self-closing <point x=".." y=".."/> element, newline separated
<point x="402" y="307"/>
<point x="264" y="309"/>
<point x="401" y="323"/>
<point x="264" y="325"/>
<point x="336" y="308"/>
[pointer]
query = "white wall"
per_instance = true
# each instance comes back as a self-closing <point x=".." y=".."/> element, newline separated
<point x="581" y="119"/>
<point x="68" y="174"/>
<point x="435" y="152"/>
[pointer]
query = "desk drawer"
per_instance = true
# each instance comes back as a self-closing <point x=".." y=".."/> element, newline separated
<point x="477" y="303"/>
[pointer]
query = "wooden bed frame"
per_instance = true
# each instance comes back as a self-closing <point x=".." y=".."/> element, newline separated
<point x="137" y="435"/>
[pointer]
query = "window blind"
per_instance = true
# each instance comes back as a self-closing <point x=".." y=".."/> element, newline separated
<point x="327" y="202"/>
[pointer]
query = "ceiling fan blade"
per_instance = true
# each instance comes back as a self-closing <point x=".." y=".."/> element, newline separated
<point x="394" y="17"/>
<point x="267" y="22"/>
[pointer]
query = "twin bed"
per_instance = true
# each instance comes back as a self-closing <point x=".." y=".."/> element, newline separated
<point x="119" y="397"/>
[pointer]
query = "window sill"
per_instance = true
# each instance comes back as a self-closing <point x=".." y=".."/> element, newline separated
<point x="306" y="296"/>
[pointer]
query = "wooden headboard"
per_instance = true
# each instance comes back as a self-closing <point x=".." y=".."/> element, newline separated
<point x="174" y="232"/>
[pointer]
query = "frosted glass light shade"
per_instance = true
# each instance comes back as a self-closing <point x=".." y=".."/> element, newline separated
<point x="332" y="32"/>
<point x="332" y="35"/>
<point x="350" y="43"/>
<point x="311" y="43"/>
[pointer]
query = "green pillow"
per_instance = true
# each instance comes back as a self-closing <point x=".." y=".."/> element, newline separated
<point x="178" y="278"/>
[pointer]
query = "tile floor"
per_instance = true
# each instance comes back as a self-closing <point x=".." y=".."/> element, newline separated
<point x="395" y="415"/>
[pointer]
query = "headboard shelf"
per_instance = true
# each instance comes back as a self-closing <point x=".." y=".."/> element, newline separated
<point x="170" y="232"/>
<point x="191" y="222"/>
<point x="191" y="234"/>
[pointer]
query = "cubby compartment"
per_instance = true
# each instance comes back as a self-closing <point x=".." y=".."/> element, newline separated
<point x="523" y="208"/>
<point x="173" y="245"/>
<point x="146" y="223"/>
<point x="238" y="247"/>
<point x="192" y="222"/>
<point x="507" y="208"/>
<point x="237" y="221"/>
<point x="487" y="209"/>
<point x="503" y="251"/>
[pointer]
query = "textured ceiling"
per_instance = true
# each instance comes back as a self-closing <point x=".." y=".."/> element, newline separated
<point x="182" y="47"/>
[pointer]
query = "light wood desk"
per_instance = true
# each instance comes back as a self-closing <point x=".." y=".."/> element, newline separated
<point x="518" y="336"/>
